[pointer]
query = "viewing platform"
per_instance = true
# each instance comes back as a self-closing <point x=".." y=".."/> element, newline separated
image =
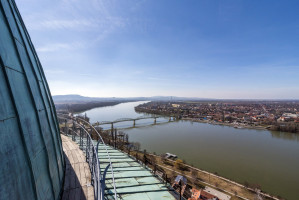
<point x="121" y="176"/>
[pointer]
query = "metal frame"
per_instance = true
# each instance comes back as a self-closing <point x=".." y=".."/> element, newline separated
<point x="91" y="151"/>
<point x="108" y="155"/>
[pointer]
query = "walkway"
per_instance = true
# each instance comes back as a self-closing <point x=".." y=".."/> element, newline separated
<point x="77" y="182"/>
<point x="132" y="180"/>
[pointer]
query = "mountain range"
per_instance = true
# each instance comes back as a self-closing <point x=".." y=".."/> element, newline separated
<point x="79" y="98"/>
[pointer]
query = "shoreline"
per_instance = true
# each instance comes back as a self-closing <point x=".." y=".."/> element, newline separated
<point x="238" y="126"/>
<point x="227" y="180"/>
<point x="280" y="126"/>
<point x="225" y="185"/>
<point x="235" y="125"/>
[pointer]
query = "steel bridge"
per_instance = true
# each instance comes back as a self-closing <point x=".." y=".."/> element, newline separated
<point x="171" y="118"/>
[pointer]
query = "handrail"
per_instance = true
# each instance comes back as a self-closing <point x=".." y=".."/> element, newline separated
<point x="99" y="179"/>
<point x="92" y="159"/>
<point x="112" y="172"/>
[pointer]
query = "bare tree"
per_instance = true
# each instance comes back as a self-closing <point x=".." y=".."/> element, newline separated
<point x="137" y="146"/>
<point x="194" y="175"/>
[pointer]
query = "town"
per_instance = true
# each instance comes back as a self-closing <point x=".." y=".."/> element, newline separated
<point x="272" y="115"/>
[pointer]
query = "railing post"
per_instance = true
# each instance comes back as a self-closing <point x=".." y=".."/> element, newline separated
<point x="112" y="137"/>
<point x="87" y="148"/>
<point x="93" y="174"/>
<point x="81" y="138"/>
<point x="103" y="185"/>
<point x="98" y="146"/>
<point x="115" y="139"/>
<point x="73" y="132"/>
<point x="180" y="189"/>
<point x="98" y="176"/>
<point x="65" y="127"/>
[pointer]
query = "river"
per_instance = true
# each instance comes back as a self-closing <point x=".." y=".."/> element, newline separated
<point x="270" y="159"/>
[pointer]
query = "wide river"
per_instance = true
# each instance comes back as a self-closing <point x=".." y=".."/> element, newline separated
<point x="270" y="159"/>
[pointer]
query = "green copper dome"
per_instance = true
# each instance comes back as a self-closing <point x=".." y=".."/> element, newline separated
<point x="31" y="156"/>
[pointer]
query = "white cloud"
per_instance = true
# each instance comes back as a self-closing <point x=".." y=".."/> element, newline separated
<point x="58" y="46"/>
<point x="158" y="79"/>
<point x="66" y="24"/>
<point x="54" y="72"/>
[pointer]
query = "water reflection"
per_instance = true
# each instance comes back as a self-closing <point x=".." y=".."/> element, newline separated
<point x="285" y="136"/>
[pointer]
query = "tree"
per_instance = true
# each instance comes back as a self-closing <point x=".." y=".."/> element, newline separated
<point x="136" y="146"/>
<point x="178" y="163"/>
<point x="246" y="184"/>
<point x="173" y="176"/>
<point x="144" y="157"/>
<point x="194" y="174"/>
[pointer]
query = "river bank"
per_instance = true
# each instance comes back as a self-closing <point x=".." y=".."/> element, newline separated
<point x="197" y="178"/>
<point x="252" y="115"/>
<point x="235" y="125"/>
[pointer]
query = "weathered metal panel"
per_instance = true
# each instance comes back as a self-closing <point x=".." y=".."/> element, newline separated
<point x="30" y="146"/>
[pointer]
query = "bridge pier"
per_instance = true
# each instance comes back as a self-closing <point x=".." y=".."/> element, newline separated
<point x="155" y="121"/>
<point x="134" y="123"/>
<point x="111" y="125"/>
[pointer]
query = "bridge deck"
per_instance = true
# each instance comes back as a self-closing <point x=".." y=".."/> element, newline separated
<point x="123" y="120"/>
<point x="77" y="182"/>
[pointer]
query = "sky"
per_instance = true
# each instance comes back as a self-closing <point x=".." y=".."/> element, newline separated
<point x="193" y="48"/>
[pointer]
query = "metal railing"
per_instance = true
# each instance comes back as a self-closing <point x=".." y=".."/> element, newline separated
<point x="108" y="155"/>
<point x="86" y="144"/>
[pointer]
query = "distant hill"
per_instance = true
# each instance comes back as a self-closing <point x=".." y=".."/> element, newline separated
<point x="77" y="98"/>
<point x="174" y="98"/>
<point x="77" y="103"/>
<point x="74" y="98"/>
<point x="71" y="97"/>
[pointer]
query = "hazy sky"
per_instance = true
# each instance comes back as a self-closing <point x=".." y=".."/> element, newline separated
<point x="212" y="49"/>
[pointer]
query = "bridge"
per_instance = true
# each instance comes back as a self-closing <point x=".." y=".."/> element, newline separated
<point x="171" y="118"/>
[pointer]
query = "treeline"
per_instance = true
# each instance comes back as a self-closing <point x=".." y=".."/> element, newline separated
<point x="290" y="127"/>
<point x="80" y="107"/>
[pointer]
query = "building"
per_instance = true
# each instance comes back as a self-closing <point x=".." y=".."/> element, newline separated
<point x="195" y="194"/>
<point x="201" y="194"/>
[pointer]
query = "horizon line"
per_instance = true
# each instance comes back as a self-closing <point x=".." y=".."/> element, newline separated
<point x="202" y="98"/>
